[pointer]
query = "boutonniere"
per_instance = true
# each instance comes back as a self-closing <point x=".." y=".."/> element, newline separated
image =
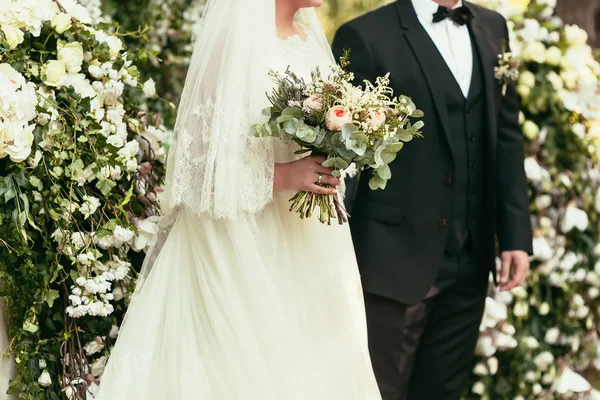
<point x="507" y="70"/>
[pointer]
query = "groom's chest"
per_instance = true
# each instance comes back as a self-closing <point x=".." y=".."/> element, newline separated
<point x="424" y="64"/>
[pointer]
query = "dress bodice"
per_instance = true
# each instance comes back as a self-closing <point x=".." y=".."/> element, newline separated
<point x="302" y="55"/>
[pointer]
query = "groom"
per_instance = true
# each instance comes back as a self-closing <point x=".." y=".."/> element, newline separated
<point x="426" y="244"/>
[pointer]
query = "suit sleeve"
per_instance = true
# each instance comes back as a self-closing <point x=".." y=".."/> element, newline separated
<point x="512" y="207"/>
<point x="362" y="66"/>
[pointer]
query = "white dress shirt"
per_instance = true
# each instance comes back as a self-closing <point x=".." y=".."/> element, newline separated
<point x="452" y="40"/>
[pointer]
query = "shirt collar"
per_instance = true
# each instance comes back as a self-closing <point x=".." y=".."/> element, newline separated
<point x="426" y="8"/>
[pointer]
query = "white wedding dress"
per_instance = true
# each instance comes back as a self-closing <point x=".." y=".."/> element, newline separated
<point x="264" y="307"/>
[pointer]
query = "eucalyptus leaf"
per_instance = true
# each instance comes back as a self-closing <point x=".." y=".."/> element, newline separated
<point x="291" y="126"/>
<point x="377" y="183"/>
<point x="384" y="172"/>
<point x="348" y="130"/>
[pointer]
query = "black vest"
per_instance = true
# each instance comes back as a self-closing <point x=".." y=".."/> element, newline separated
<point x="467" y="127"/>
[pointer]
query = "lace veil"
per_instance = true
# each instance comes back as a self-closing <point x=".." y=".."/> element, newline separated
<point x="214" y="166"/>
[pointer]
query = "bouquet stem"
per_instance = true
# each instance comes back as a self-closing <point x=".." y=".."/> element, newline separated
<point x="330" y="207"/>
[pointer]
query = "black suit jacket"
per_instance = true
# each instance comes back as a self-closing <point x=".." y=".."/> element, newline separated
<point x="400" y="232"/>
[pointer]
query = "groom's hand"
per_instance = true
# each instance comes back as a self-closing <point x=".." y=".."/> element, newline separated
<point x="514" y="269"/>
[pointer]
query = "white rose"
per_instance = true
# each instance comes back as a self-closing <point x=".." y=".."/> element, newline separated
<point x="13" y="36"/>
<point x="147" y="234"/>
<point x="61" y="23"/>
<point x="553" y="55"/>
<point x="531" y="130"/>
<point x="114" y="332"/>
<point x="337" y="117"/>
<point x="478" y="388"/>
<point x="575" y="35"/>
<point x="519" y="292"/>
<point x="579" y="130"/>
<point x="570" y="382"/>
<point x="16" y="141"/>
<point x="527" y="78"/>
<point x="531" y="343"/>
<point x="114" y="43"/>
<point x="574" y="218"/>
<point x="544" y="308"/>
<point x="552" y="335"/>
<point x="89" y="206"/>
<point x="130" y="149"/>
<point x="504" y="341"/>
<point x="93" y="347"/>
<point x="543" y="201"/>
<point x="533" y="170"/>
<point x="71" y="54"/>
<point x="492" y="363"/>
<point x="530" y="376"/>
<point x="535" y="51"/>
<point x="106" y="242"/>
<point x="78" y="240"/>
<point x="54" y="72"/>
<point x="521" y="309"/>
<point x="149" y="88"/>
<point x="582" y="312"/>
<point x="568" y="261"/>
<point x="122" y="235"/>
<point x="543" y="360"/>
<point x="98" y="366"/>
<point x="376" y="119"/>
<point x="523" y="91"/>
<point x="118" y="293"/>
<point x="116" y="140"/>
<point x="555" y="80"/>
<point x="485" y="346"/>
<point x="480" y="369"/>
<point x="45" y="380"/>
<point x="313" y="102"/>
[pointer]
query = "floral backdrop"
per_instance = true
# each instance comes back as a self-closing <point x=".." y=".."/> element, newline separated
<point x="87" y="99"/>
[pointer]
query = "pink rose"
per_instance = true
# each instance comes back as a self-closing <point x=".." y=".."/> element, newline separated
<point x="337" y="117"/>
<point x="376" y="119"/>
<point x="314" y="102"/>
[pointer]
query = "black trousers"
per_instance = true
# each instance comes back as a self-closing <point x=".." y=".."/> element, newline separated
<point x="425" y="351"/>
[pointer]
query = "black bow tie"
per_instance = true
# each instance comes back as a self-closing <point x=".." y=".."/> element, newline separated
<point x="461" y="15"/>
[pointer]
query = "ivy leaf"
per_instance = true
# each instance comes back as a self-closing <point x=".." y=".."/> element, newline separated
<point x="30" y="327"/>
<point x="105" y="186"/>
<point x="50" y="296"/>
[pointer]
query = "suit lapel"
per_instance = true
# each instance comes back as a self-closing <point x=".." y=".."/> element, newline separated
<point x="488" y="56"/>
<point x="425" y="51"/>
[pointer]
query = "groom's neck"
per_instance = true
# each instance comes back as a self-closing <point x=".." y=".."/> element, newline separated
<point x="446" y="3"/>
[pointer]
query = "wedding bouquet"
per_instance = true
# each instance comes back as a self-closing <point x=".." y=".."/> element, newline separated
<point x="330" y="116"/>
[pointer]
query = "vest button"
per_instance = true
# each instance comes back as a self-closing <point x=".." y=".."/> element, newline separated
<point x="473" y="165"/>
<point x="472" y="138"/>
<point x="469" y="110"/>
<point x="447" y="180"/>
<point x="443" y="222"/>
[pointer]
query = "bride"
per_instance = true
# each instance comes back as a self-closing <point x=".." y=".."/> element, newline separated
<point x="243" y="300"/>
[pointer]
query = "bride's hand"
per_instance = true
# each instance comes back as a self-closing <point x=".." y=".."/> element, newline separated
<point x="303" y="175"/>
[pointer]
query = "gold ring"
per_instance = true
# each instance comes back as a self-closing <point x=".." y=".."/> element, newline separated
<point x="320" y="179"/>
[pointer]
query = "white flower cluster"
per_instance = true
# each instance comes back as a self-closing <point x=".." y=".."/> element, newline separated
<point x="18" y="102"/>
<point x="18" y="16"/>
<point x="93" y="292"/>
